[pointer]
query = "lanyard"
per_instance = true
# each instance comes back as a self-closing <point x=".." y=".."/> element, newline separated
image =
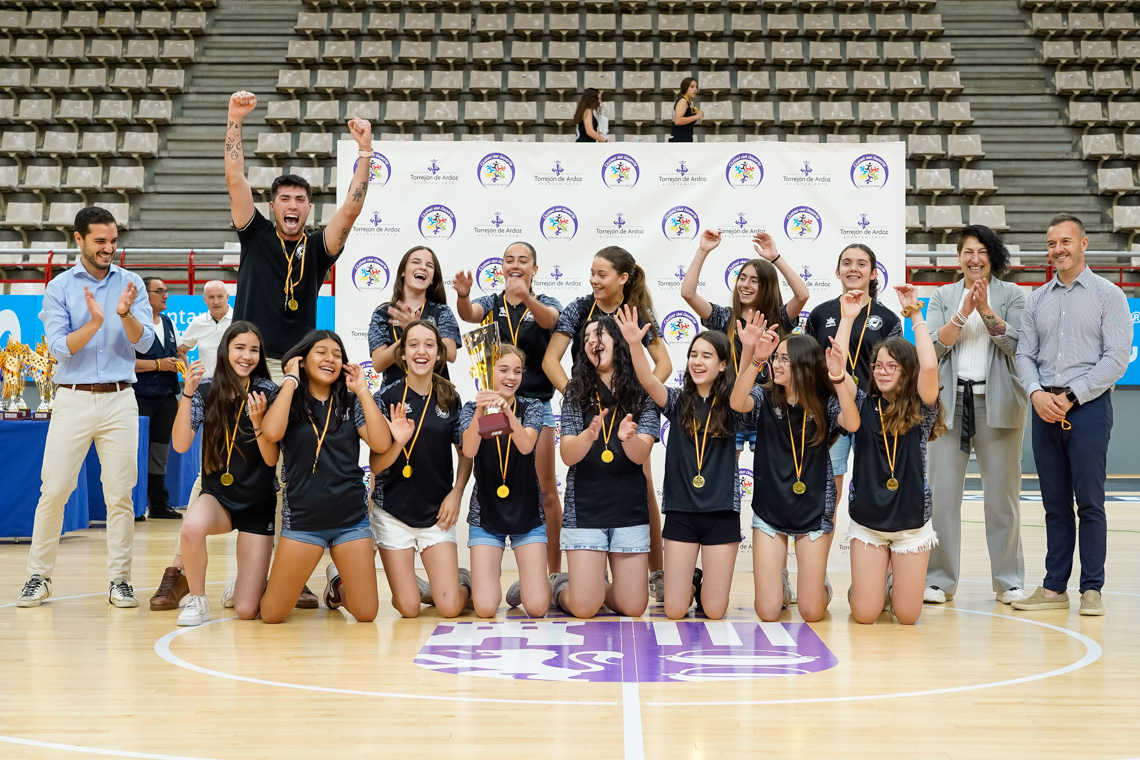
<point x="892" y="483"/>
<point x="321" y="436"/>
<point x="853" y="358"/>
<point x="607" y="455"/>
<point x="798" y="486"/>
<point x="299" y="251"/>
<point x="698" y="479"/>
<point x="503" y="491"/>
<point x="514" y="331"/>
<point x="227" y="478"/>
<point x="407" y="472"/>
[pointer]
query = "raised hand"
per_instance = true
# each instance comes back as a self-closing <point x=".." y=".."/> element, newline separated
<point x="355" y="378"/>
<point x="463" y="283"/>
<point x="752" y="329"/>
<point x="849" y="306"/>
<point x="836" y="358"/>
<point x="241" y="103"/>
<point x="766" y="345"/>
<point x="194" y="375"/>
<point x="361" y="130"/>
<point x="293" y="367"/>
<point x="401" y="315"/>
<point x="710" y="239"/>
<point x="516" y="287"/>
<point x="127" y="299"/>
<point x="255" y="406"/>
<point x="908" y="294"/>
<point x="626" y="318"/>
<point x="402" y="428"/>
<point x="93" y="305"/>
<point x="765" y="246"/>
<point x="594" y="429"/>
<point x="627" y="429"/>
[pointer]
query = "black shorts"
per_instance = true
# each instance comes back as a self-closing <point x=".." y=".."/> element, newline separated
<point x="704" y="528"/>
<point x="260" y="519"/>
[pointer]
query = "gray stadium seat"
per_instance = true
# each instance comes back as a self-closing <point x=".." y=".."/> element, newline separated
<point x="875" y="114"/>
<point x="82" y="179"/>
<point x="408" y="82"/>
<point x="783" y="25"/>
<point x="977" y="182"/>
<point x="753" y="82"/>
<point x="118" y="22"/>
<point x="1120" y="24"/>
<point x="860" y="53"/>
<point x="315" y="144"/>
<point x="1085" y="114"/>
<point x="819" y="24"/>
<point x="451" y="52"/>
<point x="35" y="110"/>
<point x="487" y="53"/>
<point x="121" y="212"/>
<point x="944" y="219"/>
<point x="915" y="114"/>
<point x="830" y="83"/>
<point x="52" y="80"/>
<point x="189" y="22"/>
<point x="63" y="50"/>
<point x="322" y="112"/>
<point x="1059" y="52"/>
<point x="24" y="216"/>
<point x="339" y="53"/>
<point x="129" y="79"/>
<point x="520" y="114"/>
<point x="748" y="53"/>
<point x="154" y="111"/>
<point x="153" y="22"/>
<point x="178" y="51"/>
<point x="605" y="53"/>
<point x="1109" y="83"/>
<point x="635" y="25"/>
<point x="105" y="50"/>
<point x="795" y="114"/>
<point x="491" y="25"/>
<point x="18" y="144"/>
<point x="167" y="80"/>
<point x="447" y="82"/>
<point x="273" y="145"/>
<point x="926" y="25"/>
<point x="932" y="182"/>
<point x="944" y="83"/>
<point x="140" y="144"/>
<point x="523" y="82"/>
<point x="369" y="110"/>
<point x="791" y="82"/>
<point x="346" y="23"/>
<point x="1119" y="181"/>
<point x="481" y="113"/>
<point x="89" y="80"/>
<point x="854" y="24"/>
<point x="1127" y="114"/>
<point x="370" y="81"/>
<point x="526" y="53"/>
<point x="757" y="113"/>
<point x="115" y="111"/>
<point x="934" y="53"/>
<point x="9" y="177"/>
<point x="414" y="52"/>
<point x="142" y="50"/>
<point x="283" y="112"/>
<point x="954" y="114"/>
<point x="836" y="113"/>
<point x="990" y="216"/>
<point x="383" y="24"/>
<point x="1131" y="145"/>
<point x="891" y="25"/>
<point x="912" y="222"/>
<point x="314" y="175"/>
<point x="1085" y="24"/>
<point x="125" y="179"/>
<point x="73" y="111"/>
<point x="42" y="179"/>
<point x="1047" y="24"/>
<point x="57" y="144"/>
<point x="441" y="112"/>
<point x="906" y="82"/>
<point x="1097" y="52"/>
<point x="606" y="81"/>
<point x="824" y="53"/>
<point x="899" y="53"/>
<point x="485" y="83"/>
<point x="292" y="81"/>
<point x="402" y="113"/>
<point x="311" y="24"/>
<point x="261" y="177"/>
<point x="331" y="82"/>
<point x="924" y="147"/>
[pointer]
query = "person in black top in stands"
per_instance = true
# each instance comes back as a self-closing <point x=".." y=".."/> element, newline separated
<point x="701" y="497"/>
<point x="684" y="114"/>
<point x="586" y="117"/>
<point x="889" y="501"/>
<point x="506" y="501"/>
<point x="238" y="482"/>
<point x="322" y="412"/>
<point x="417" y="293"/>
<point x="796" y="414"/>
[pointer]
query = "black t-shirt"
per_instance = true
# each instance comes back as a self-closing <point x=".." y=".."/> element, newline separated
<point x="521" y="511"/>
<point x="607" y="494"/>
<point x="872" y="505"/>
<point x="381" y="332"/>
<point x="255" y="482"/>
<point x="774" y="468"/>
<point x="334" y="496"/>
<point x="823" y="323"/>
<point x="683" y="133"/>
<point x="415" y="501"/>
<point x="261" y="284"/>
<point x="720" y="491"/>
<point x="578" y="312"/>
<point x="532" y="340"/>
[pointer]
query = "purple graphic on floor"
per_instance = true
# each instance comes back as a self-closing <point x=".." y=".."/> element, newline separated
<point x="626" y="650"/>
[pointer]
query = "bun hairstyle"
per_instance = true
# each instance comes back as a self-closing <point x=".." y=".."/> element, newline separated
<point x="445" y="392"/>
<point x="635" y="292"/>
<point x="808" y="367"/>
<point x="720" y="425"/>
<point x="227" y="391"/>
<point x="873" y="286"/>
<point x="906" y="410"/>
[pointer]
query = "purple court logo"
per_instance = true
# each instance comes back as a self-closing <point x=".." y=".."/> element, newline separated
<point x="558" y="223"/>
<point x="496" y="170"/>
<point x="613" y="651"/>
<point x="379" y="170"/>
<point x="620" y="171"/>
<point x="370" y="273"/>
<point x="744" y="170"/>
<point x="437" y="222"/>
<point x="733" y="272"/>
<point x="375" y="379"/>
<point x="663" y="437"/>
<point x="803" y="223"/>
<point x="869" y="172"/>
<point x="680" y="223"/>
<point x="678" y="327"/>
<point x="491" y="278"/>
<point x="744" y="483"/>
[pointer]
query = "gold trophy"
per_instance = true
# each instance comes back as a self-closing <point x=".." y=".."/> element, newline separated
<point x="483" y="348"/>
<point x="12" y="363"/>
<point x="42" y="366"/>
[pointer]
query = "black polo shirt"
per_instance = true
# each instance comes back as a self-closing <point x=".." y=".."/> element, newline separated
<point x="521" y="510"/>
<point x="721" y="490"/>
<point x="823" y="323"/>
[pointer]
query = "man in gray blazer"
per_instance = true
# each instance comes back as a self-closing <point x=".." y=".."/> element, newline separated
<point x="975" y="324"/>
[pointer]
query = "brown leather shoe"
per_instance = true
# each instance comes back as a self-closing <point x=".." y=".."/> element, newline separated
<point x="307" y="600"/>
<point x="171" y="589"/>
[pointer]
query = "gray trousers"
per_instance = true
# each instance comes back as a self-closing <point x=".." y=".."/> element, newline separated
<point x="999" y="461"/>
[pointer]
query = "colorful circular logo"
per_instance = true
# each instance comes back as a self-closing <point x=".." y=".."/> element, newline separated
<point x="437" y="222"/>
<point x="379" y="170"/>
<point x="491" y="277"/>
<point x="664" y="433"/>
<point x="558" y="223"/>
<point x="680" y="223"/>
<point x="744" y="170"/>
<point x="744" y="483"/>
<point x="375" y="379"/>
<point x="620" y="171"/>
<point x="869" y="172"/>
<point x="557" y="429"/>
<point x="803" y="223"/>
<point x="370" y="273"/>
<point x="679" y="327"/>
<point x="732" y="272"/>
<point x="496" y="170"/>
<point x="883" y="278"/>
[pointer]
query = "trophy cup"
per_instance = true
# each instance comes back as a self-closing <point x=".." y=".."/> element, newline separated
<point x="483" y="348"/>
<point x="12" y="363"/>
<point x="42" y="366"/>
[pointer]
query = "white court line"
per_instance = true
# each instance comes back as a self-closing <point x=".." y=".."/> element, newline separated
<point x="1092" y="654"/>
<point x="95" y="750"/>
<point x="667" y="634"/>
<point x="631" y="697"/>
<point x="777" y="634"/>
<point x="723" y="634"/>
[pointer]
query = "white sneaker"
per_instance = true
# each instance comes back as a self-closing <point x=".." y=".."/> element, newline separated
<point x="514" y="595"/>
<point x="332" y="588"/>
<point x="934" y="595"/>
<point x="657" y="585"/>
<point x="789" y="594"/>
<point x="425" y="591"/>
<point x="122" y="595"/>
<point x="465" y="581"/>
<point x="196" y="611"/>
<point x="228" y="594"/>
<point x="1011" y="596"/>
<point x="827" y="588"/>
<point x="888" y="603"/>
<point x="36" y="590"/>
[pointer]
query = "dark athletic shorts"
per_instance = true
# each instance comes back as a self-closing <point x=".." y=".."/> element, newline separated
<point x="704" y="528"/>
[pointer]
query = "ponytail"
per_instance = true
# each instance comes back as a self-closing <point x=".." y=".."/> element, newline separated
<point x="635" y="293"/>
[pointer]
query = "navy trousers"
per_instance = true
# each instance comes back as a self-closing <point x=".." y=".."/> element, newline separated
<point x="1071" y="465"/>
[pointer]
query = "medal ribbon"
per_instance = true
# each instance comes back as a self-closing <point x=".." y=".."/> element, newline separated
<point x="505" y="463"/>
<point x="606" y="433"/>
<point x="799" y="461"/>
<point x="321" y="436"/>
<point x="232" y="439"/>
<point x="891" y="455"/>
<point x="853" y="358"/>
<point x="289" y="284"/>
<point x="704" y="439"/>
<point x="514" y="331"/>
<point x="420" y="426"/>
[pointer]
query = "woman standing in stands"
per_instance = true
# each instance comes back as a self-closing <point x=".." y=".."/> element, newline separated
<point x="527" y="321"/>
<point x="417" y="293"/>
<point x="684" y="114"/>
<point x="586" y="117"/>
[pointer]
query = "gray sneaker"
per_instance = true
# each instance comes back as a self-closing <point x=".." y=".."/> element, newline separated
<point x="465" y="580"/>
<point x="789" y="594"/>
<point x="514" y="595"/>
<point x="121" y="594"/>
<point x="888" y="604"/>
<point x="425" y="591"/>
<point x="559" y="582"/>
<point x="36" y="590"/>
<point x="657" y="585"/>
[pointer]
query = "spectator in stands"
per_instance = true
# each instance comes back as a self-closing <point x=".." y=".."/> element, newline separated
<point x="975" y="325"/>
<point x="157" y="393"/>
<point x="204" y="331"/>
<point x="1076" y="337"/>
<point x="282" y="267"/>
<point x="685" y="115"/>
<point x="94" y="402"/>
<point x="586" y="117"/>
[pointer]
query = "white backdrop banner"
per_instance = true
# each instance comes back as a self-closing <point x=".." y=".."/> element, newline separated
<point x="468" y="200"/>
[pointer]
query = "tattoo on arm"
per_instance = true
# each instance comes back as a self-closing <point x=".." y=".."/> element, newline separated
<point x="994" y="325"/>
<point x="358" y="193"/>
<point x="343" y="238"/>
<point x="233" y="140"/>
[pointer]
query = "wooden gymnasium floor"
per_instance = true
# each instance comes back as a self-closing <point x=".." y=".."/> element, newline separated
<point x="972" y="680"/>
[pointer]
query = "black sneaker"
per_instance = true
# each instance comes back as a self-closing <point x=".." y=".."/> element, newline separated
<point x="698" y="577"/>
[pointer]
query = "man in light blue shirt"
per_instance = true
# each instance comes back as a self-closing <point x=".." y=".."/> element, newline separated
<point x="95" y="315"/>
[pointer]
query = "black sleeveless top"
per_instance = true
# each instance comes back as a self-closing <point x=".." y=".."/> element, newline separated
<point x="580" y="129"/>
<point x="683" y="133"/>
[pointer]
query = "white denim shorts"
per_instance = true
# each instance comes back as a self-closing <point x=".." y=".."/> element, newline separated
<point x="900" y="541"/>
<point x="392" y="533"/>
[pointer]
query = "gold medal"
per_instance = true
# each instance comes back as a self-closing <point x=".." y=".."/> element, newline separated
<point x="892" y="453"/>
<point x="503" y="491"/>
<point x="856" y="379"/>
<point x="290" y="285"/>
<point x="698" y="481"/>
<point x="607" y="456"/>
<point x="892" y="484"/>
<point x="419" y="426"/>
<point x="227" y="479"/>
<point x="799" y="487"/>
<point x="407" y="471"/>
<point x="292" y="304"/>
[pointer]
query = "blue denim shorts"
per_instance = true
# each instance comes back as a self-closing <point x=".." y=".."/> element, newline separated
<point x="758" y="524"/>
<point x="631" y="540"/>
<point x="330" y="538"/>
<point x="477" y="536"/>
<point x="746" y="436"/>
<point x="840" y="450"/>
<point x="547" y="415"/>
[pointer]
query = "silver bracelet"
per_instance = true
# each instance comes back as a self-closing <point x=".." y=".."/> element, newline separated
<point x="294" y="378"/>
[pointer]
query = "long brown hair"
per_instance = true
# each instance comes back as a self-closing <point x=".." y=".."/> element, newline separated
<point x="591" y="99"/>
<point x="769" y="299"/>
<point x="435" y="292"/>
<point x="445" y="392"/>
<point x="635" y="292"/>
<point x="873" y="285"/>
<point x="906" y="410"/>
<point x="808" y="367"/>
<point x="227" y="391"/>
<point x="720" y="425"/>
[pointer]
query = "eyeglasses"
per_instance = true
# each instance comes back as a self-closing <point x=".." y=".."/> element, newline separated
<point x="781" y="359"/>
<point x="886" y="369"/>
<point x="161" y="292"/>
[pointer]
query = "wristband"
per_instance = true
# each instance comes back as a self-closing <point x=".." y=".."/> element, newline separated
<point x="911" y="309"/>
<point x="191" y="396"/>
<point x="125" y="314"/>
<point x="157" y="365"/>
<point x="294" y="378"/>
<point x="919" y="322"/>
<point x="773" y="261"/>
<point x="837" y="380"/>
<point x="757" y="364"/>
<point x="364" y="153"/>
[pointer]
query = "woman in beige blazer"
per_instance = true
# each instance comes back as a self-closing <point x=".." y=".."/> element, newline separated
<point x="975" y="324"/>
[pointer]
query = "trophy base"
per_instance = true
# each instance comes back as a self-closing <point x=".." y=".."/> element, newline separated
<point x="19" y="415"/>
<point x="41" y="415"/>
<point x="491" y="425"/>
